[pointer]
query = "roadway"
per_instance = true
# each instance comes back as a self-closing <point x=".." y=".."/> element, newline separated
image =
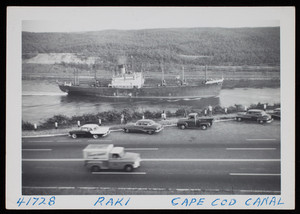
<point x="228" y="158"/>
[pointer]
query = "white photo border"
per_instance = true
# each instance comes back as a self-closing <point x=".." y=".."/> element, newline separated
<point x="15" y="16"/>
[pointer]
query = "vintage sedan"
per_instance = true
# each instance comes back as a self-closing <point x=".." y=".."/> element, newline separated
<point x="276" y="114"/>
<point x="257" y="115"/>
<point x="90" y="130"/>
<point x="144" y="126"/>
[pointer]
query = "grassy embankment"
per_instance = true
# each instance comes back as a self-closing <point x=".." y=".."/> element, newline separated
<point x="113" y="117"/>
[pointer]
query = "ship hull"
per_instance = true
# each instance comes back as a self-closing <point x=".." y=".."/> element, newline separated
<point x="168" y="92"/>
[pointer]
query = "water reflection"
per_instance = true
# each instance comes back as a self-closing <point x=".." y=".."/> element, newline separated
<point x="105" y="104"/>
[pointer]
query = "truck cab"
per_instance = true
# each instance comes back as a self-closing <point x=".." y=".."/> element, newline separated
<point x="98" y="157"/>
<point x="193" y="120"/>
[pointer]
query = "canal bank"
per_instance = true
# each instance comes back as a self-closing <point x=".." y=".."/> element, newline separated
<point x="113" y="126"/>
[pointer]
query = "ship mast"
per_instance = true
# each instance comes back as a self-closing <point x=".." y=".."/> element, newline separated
<point x="205" y="72"/>
<point x="131" y="63"/>
<point x="76" y="78"/>
<point x="163" y="73"/>
<point x="163" y="82"/>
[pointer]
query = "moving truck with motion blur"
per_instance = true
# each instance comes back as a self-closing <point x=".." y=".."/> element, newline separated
<point x="98" y="157"/>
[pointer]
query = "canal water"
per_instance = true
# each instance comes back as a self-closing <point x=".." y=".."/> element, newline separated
<point x="43" y="99"/>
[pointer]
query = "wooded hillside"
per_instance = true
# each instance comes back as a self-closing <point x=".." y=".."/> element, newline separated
<point x="197" y="46"/>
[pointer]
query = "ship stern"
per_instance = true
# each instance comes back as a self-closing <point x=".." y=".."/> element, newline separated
<point x="63" y="88"/>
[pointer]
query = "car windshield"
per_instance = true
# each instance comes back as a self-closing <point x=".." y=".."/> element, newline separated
<point x="85" y="128"/>
<point x="121" y="154"/>
<point x="255" y="112"/>
<point x="144" y="123"/>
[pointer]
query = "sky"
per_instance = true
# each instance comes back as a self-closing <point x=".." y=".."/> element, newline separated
<point x="74" y="19"/>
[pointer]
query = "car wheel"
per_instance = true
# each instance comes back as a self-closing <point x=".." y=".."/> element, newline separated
<point x="126" y="130"/>
<point x="95" y="136"/>
<point x="128" y="168"/>
<point x="239" y="119"/>
<point x="182" y="127"/>
<point x="261" y="121"/>
<point x="203" y="127"/>
<point x="95" y="169"/>
<point x="150" y="132"/>
<point x="74" y="136"/>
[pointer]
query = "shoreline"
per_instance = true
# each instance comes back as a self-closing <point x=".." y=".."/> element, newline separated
<point x="113" y="126"/>
<point x="61" y="123"/>
<point x="114" y="117"/>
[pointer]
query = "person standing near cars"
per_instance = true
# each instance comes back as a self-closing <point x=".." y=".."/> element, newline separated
<point x="163" y="116"/>
<point x="210" y="110"/>
<point x="122" y="118"/>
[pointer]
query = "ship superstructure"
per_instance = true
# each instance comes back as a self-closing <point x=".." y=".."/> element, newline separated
<point x="127" y="79"/>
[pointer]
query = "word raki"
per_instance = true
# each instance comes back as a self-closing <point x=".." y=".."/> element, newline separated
<point x="112" y="202"/>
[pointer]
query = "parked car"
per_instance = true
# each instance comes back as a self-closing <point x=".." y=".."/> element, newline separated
<point x="144" y="126"/>
<point x="276" y="114"/>
<point x="90" y="130"/>
<point x="257" y="115"/>
<point x="194" y="120"/>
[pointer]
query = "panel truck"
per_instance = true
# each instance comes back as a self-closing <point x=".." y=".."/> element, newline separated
<point x="194" y="121"/>
<point x="97" y="157"/>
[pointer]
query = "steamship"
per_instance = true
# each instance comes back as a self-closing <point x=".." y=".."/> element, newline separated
<point x="126" y="84"/>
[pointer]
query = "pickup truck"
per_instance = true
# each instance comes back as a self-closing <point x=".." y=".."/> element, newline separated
<point x="194" y="120"/>
<point x="97" y="157"/>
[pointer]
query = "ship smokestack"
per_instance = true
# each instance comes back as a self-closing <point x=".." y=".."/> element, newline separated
<point x="121" y="69"/>
<point x="121" y="64"/>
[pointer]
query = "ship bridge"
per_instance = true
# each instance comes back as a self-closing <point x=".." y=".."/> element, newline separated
<point x="134" y="80"/>
<point x="124" y="79"/>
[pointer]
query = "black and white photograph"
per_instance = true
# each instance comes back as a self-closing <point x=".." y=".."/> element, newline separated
<point x="150" y="107"/>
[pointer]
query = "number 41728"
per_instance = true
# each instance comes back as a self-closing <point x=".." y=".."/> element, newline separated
<point x="36" y="201"/>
